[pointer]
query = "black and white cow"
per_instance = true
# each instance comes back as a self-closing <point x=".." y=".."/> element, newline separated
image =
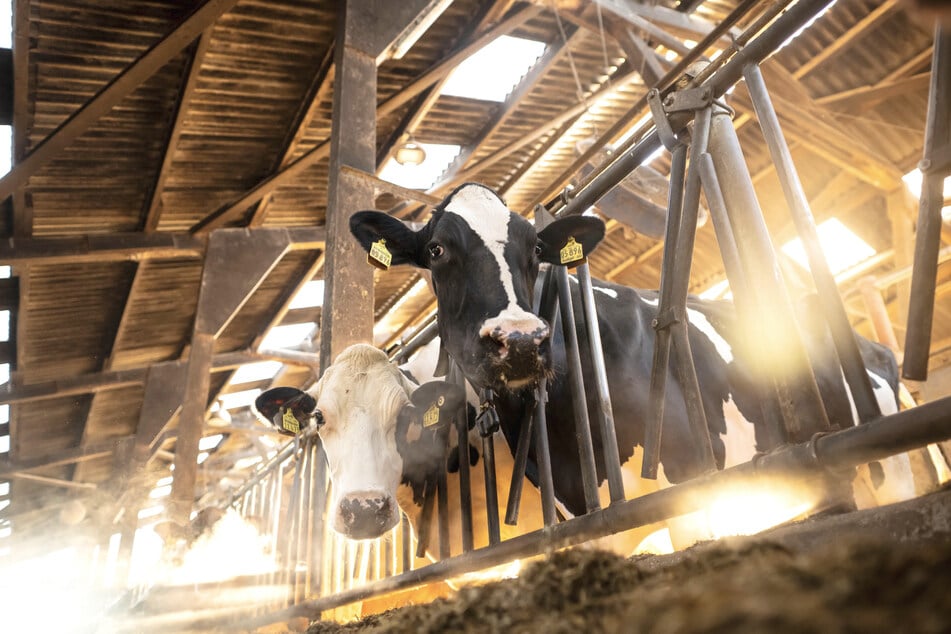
<point x="484" y="260"/>
<point x="383" y="436"/>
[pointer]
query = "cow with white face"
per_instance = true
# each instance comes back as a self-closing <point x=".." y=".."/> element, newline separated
<point x="384" y="437"/>
<point x="484" y="260"/>
<point x="378" y="429"/>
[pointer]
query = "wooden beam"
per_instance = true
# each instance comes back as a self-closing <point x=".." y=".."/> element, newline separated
<point x="320" y="85"/>
<point x="117" y="247"/>
<point x="293" y="170"/>
<point x="645" y="255"/>
<point x="22" y="111"/>
<point x="110" y="247"/>
<point x="347" y="314"/>
<point x="156" y="57"/>
<point x="153" y="205"/>
<point x="67" y="456"/>
<point x="553" y="52"/>
<point x="112" y="380"/>
<point x="842" y="42"/>
<point x="866" y="96"/>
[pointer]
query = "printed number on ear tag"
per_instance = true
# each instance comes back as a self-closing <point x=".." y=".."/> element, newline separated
<point x="572" y="253"/>
<point x="290" y="422"/>
<point x="379" y="256"/>
<point x="431" y="416"/>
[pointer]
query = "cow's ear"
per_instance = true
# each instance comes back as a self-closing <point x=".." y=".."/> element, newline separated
<point x="287" y="409"/>
<point x="370" y="227"/>
<point x="570" y="240"/>
<point x="437" y="402"/>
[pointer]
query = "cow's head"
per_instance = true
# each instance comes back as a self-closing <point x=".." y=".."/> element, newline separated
<point x="377" y="429"/>
<point x="483" y="260"/>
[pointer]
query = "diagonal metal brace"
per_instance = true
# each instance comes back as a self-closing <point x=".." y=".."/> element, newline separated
<point x="664" y="131"/>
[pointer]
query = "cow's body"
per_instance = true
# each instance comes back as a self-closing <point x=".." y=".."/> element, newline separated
<point x="484" y="259"/>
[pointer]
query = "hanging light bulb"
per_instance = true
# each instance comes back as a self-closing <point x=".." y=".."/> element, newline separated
<point x="410" y="153"/>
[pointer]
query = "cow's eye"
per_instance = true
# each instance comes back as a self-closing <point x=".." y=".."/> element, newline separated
<point x="436" y="251"/>
<point x="538" y="250"/>
<point x="319" y="418"/>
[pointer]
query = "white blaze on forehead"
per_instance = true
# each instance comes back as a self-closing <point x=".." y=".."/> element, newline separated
<point x="489" y="218"/>
<point x="699" y="321"/>
<point x="361" y="395"/>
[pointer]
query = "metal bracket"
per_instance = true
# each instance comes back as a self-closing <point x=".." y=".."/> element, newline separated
<point x="664" y="131"/>
<point x="665" y="319"/>
<point x="488" y="418"/>
<point x="688" y="99"/>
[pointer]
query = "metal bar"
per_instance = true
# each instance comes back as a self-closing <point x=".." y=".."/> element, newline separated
<point x="491" y="492"/>
<point x="906" y="430"/>
<point x="543" y="456"/>
<point x="925" y="273"/>
<point x="405" y="548"/>
<point x="465" y="481"/>
<point x="653" y="431"/>
<point x="612" y="463"/>
<point x="589" y="472"/>
<point x="424" y="529"/>
<point x="546" y="306"/>
<point x="755" y="51"/>
<point x="853" y="367"/>
<point x="729" y="252"/>
<point x="686" y="372"/>
<point x="520" y="462"/>
<point x="788" y="366"/>
<point x="442" y="496"/>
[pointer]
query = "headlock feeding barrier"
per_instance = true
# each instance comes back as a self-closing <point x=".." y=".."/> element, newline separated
<point x="321" y="571"/>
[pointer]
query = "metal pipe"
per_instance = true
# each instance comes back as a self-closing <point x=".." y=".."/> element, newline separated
<point x="686" y="372"/>
<point x="783" y="359"/>
<point x="420" y="338"/>
<point x="755" y="51"/>
<point x="840" y="450"/>
<point x="612" y="463"/>
<point x="491" y="492"/>
<point x="520" y="462"/>
<point x="543" y="455"/>
<point x="729" y="252"/>
<point x="928" y="235"/>
<point x="442" y="495"/>
<point x="853" y="367"/>
<point x="653" y="432"/>
<point x="589" y="472"/>
<point x="465" y="480"/>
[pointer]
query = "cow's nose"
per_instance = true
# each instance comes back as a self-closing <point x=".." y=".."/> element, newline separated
<point x="365" y="515"/>
<point x="518" y="342"/>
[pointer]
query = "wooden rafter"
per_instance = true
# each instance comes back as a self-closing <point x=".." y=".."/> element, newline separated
<point x="293" y="170"/>
<point x="189" y="85"/>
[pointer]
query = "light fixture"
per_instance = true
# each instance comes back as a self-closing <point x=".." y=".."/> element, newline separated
<point x="410" y="153"/>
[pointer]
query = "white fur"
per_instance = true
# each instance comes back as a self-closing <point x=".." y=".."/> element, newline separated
<point x="488" y="218"/>
<point x="699" y="321"/>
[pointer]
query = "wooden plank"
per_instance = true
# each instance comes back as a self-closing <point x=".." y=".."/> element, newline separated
<point x="865" y="97"/>
<point x="115" y="91"/>
<point x="101" y="248"/>
<point x="68" y="456"/>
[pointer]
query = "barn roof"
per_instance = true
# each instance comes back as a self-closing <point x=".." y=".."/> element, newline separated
<point x="140" y="128"/>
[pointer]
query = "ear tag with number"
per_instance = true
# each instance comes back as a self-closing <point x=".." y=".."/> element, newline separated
<point x="572" y="253"/>
<point x="431" y="416"/>
<point x="290" y="422"/>
<point x="379" y="256"/>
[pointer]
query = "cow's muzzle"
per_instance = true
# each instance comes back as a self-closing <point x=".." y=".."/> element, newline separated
<point x="520" y="354"/>
<point x="365" y="515"/>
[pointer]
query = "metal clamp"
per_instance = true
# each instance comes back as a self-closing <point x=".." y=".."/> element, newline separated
<point x="664" y="131"/>
<point x="688" y="99"/>
<point x="665" y="319"/>
<point x="488" y="417"/>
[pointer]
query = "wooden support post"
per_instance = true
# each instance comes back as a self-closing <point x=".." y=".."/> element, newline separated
<point x="236" y="262"/>
<point x="878" y="315"/>
<point x="347" y="316"/>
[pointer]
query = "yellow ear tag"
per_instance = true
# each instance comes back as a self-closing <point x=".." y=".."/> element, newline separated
<point x="431" y="417"/>
<point x="379" y="256"/>
<point x="290" y="422"/>
<point x="572" y="252"/>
